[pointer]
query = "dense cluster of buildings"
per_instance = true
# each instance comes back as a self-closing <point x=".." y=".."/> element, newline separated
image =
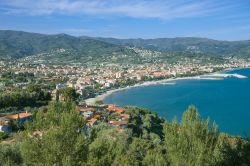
<point x="82" y="76"/>
<point x="103" y="76"/>
<point x="111" y="114"/>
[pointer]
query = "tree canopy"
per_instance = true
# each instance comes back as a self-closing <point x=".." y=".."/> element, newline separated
<point x="59" y="136"/>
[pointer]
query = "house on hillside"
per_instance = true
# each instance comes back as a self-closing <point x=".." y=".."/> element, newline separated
<point x="5" y="125"/>
<point x="92" y="122"/>
<point x="125" y="116"/>
<point x="122" y="123"/>
<point x="86" y="111"/>
<point x="88" y="114"/>
<point x="118" y="110"/>
<point x="21" y="118"/>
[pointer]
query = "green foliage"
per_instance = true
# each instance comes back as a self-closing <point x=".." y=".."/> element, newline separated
<point x="193" y="141"/>
<point x="10" y="155"/>
<point x="33" y="88"/>
<point x="9" y="77"/>
<point x="59" y="136"/>
<point x="98" y="86"/>
<point x="33" y="96"/>
<point x="62" y="140"/>
<point x="155" y="158"/>
<point x="3" y="136"/>
<point x="88" y="92"/>
<point x="70" y="94"/>
<point x="146" y="152"/>
<point x="21" y="44"/>
<point x="107" y="148"/>
<point x="236" y="153"/>
<point x="125" y="82"/>
<point x="144" y="121"/>
<point x="63" y="48"/>
<point x="201" y="45"/>
<point x="99" y="102"/>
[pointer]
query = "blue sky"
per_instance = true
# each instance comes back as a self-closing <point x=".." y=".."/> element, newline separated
<point x="217" y="19"/>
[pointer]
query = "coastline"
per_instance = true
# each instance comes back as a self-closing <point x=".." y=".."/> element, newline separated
<point x="218" y="75"/>
<point x="167" y="81"/>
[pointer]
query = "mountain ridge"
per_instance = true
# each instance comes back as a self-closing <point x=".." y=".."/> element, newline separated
<point x="19" y="44"/>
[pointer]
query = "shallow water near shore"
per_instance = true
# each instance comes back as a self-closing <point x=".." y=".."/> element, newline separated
<point x="226" y="101"/>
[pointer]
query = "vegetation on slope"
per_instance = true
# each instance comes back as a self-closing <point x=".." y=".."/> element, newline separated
<point x="60" y="137"/>
<point x="21" y="44"/>
<point x="63" y="48"/>
<point x="188" y="44"/>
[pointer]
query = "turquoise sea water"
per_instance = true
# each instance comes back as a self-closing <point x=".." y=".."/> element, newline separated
<point x="225" y="101"/>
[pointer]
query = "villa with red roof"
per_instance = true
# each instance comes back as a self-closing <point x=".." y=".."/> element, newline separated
<point x="119" y="110"/>
<point x="122" y="123"/>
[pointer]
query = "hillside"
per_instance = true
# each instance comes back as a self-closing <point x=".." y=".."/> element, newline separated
<point x="21" y="44"/>
<point x="62" y="48"/>
<point x="188" y="44"/>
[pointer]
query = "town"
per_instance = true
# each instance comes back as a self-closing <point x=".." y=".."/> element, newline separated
<point x="91" y="80"/>
<point x="124" y="83"/>
<point x="102" y="77"/>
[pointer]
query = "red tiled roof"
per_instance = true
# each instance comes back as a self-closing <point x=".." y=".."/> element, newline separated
<point x="97" y="116"/>
<point x="86" y="109"/>
<point x="116" y="109"/>
<point x="125" y="116"/>
<point x="20" y="115"/>
<point x="118" y="123"/>
<point x="92" y="121"/>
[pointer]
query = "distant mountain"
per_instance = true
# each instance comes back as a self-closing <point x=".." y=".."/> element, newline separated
<point x="65" y="48"/>
<point x="17" y="44"/>
<point x="188" y="44"/>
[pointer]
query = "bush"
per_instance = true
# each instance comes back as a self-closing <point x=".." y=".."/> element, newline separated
<point x="3" y="135"/>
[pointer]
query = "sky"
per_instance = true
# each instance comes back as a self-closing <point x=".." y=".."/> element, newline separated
<point x="216" y="19"/>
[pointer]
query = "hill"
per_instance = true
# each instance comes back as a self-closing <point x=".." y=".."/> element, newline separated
<point x="17" y="44"/>
<point x="63" y="48"/>
<point x="188" y="44"/>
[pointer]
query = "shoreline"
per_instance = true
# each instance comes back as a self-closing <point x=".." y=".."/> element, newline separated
<point x="168" y="81"/>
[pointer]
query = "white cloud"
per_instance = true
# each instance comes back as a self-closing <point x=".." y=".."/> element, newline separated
<point x="161" y="9"/>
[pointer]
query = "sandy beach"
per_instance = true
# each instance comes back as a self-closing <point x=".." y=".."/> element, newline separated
<point x="169" y="81"/>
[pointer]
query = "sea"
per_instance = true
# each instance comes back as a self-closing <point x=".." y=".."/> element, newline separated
<point x="225" y="101"/>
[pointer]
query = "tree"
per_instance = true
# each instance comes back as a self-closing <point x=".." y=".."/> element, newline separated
<point x="108" y="147"/>
<point x="62" y="141"/>
<point x="10" y="155"/>
<point x="144" y="120"/>
<point x="193" y="141"/>
<point x="32" y="96"/>
<point x="236" y="152"/>
<point x="99" y="102"/>
<point x="3" y="136"/>
<point x="59" y="136"/>
<point x="144" y="151"/>
<point x="154" y="157"/>
<point x="33" y="88"/>
<point x="70" y="94"/>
